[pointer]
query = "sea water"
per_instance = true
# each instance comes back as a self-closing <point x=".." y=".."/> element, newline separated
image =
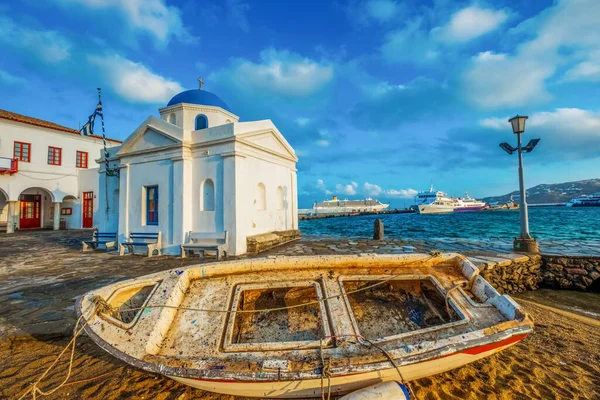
<point x="545" y="223"/>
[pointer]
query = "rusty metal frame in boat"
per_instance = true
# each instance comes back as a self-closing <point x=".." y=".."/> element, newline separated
<point x="464" y="318"/>
<point x="116" y="293"/>
<point x="239" y="287"/>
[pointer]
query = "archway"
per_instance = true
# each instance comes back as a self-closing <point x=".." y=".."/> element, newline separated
<point x="3" y="209"/>
<point x="70" y="212"/>
<point x="35" y="208"/>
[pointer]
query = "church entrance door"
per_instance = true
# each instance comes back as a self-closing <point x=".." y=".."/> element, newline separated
<point x="31" y="205"/>
<point x="88" y="209"/>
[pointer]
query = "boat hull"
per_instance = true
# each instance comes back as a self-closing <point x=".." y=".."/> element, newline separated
<point x="434" y="209"/>
<point x="469" y="209"/>
<point x="348" y="383"/>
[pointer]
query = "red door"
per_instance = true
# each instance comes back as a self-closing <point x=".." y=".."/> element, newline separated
<point x="88" y="209"/>
<point x="31" y="205"/>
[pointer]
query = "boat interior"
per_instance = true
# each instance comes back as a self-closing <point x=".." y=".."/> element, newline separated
<point x="249" y="315"/>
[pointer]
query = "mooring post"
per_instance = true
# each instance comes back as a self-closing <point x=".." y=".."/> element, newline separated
<point x="378" y="229"/>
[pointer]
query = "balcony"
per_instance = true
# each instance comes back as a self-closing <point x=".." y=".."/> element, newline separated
<point x="8" y="166"/>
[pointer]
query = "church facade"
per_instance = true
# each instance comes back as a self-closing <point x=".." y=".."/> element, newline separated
<point x="198" y="169"/>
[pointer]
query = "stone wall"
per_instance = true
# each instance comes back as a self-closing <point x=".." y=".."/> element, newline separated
<point x="514" y="275"/>
<point x="570" y="272"/>
<point x="266" y="241"/>
<point x="517" y="273"/>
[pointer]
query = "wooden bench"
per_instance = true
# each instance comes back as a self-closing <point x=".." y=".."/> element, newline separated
<point x="151" y="240"/>
<point x="202" y="241"/>
<point x="108" y="239"/>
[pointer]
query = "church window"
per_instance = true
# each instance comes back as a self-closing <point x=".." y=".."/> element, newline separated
<point x="201" y="122"/>
<point x="261" y="197"/>
<point x="54" y="155"/>
<point x="207" y="195"/>
<point x="151" y="205"/>
<point x="227" y="121"/>
<point x="279" y="199"/>
<point x="172" y="119"/>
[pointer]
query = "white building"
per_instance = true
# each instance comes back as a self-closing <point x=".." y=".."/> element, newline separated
<point x="196" y="168"/>
<point x="47" y="173"/>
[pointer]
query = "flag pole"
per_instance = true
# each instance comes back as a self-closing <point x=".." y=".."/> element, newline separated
<point x="106" y="168"/>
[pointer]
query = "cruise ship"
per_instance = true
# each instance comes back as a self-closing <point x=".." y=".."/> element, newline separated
<point x="436" y="202"/>
<point x="343" y="207"/>
<point x="585" y="201"/>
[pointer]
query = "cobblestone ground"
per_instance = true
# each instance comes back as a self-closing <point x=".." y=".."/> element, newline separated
<point x="42" y="273"/>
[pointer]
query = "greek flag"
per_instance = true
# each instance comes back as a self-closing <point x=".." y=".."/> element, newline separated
<point x="88" y="128"/>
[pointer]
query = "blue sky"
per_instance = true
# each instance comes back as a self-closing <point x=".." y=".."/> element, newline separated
<point x="378" y="97"/>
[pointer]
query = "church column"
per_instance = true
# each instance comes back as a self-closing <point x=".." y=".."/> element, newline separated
<point x="234" y="198"/>
<point x="56" y="216"/>
<point x="294" y="200"/>
<point x="13" y="215"/>
<point x="123" y="202"/>
<point x="182" y="199"/>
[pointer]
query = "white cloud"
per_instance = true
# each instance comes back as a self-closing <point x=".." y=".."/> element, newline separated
<point x="410" y="44"/>
<point x="9" y="79"/>
<point x="382" y="10"/>
<point x="133" y="81"/>
<point x="47" y="45"/>
<point x="302" y="121"/>
<point x="567" y="33"/>
<point x="279" y="72"/>
<point x="321" y="186"/>
<point x="470" y="23"/>
<point x="154" y="17"/>
<point x="322" y="143"/>
<point x="495" y="123"/>
<point x="373" y="190"/>
<point x="489" y="56"/>
<point x="349" y="189"/>
<point x="586" y="71"/>
<point x="402" y="193"/>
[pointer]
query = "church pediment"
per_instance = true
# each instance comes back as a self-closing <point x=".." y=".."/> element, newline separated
<point x="154" y="133"/>
<point x="271" y="141"/>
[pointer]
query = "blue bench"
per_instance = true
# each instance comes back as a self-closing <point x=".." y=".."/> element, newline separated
<point x="152" y="241"/>
<point x="108" y="239"/>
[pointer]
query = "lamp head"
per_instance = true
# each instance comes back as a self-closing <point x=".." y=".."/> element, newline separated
<point x="518" y="123"/>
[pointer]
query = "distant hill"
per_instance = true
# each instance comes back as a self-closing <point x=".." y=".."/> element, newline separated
<point x="554" y="193"/>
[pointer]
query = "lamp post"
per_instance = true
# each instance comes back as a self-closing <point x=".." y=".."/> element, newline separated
<point x="524" y="243"/>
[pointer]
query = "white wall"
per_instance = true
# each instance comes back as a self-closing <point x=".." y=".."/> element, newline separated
<point x="210" y="167"/>
<point x="185" y="115"/>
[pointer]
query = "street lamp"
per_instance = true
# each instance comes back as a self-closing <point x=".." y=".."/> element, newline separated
<point x="524" y="242"/>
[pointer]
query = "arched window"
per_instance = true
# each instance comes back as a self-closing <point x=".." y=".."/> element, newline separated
<point x="201" y="122"/>
<point x="227" y="121"/>
<point x="172" y="119"/>
<point x="261" y="197"/>
<point x="207" y="195"/>
<point x="279" y="198"/>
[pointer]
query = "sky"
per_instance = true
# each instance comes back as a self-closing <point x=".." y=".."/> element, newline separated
<point x="379" y="98"/>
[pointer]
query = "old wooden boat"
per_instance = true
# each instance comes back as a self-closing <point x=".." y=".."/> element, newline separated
<point x="293" y="327"/>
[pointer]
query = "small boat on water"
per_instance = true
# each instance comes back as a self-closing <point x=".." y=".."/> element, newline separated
<point x="436" y="202"/>
<point x="585" y="201"/>
<point x="290" y="327"/>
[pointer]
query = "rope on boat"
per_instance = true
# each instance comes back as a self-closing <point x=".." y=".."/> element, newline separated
<point x="325" y="372"/>
<point x="337" y="296"/>
<point x="99" y="304"/>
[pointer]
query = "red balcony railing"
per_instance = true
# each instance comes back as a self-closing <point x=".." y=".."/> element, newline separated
<point x="9" y="165"/>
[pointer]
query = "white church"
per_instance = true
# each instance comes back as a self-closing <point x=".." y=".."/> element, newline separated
<point x="197" y="169"/>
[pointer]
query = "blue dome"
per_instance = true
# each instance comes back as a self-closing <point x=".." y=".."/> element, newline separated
<point x="200" y="97"/>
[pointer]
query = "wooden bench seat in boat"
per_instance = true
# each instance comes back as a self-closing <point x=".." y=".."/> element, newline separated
<point x="108" y="239"/>
<point x="202" y="241"/>
<point x="152" y="242"/>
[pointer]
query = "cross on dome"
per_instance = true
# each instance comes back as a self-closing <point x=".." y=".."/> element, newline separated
<point x="201" y="82"/>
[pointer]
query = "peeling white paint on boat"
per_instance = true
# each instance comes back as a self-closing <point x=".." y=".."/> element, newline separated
<point x="279" y="355"/>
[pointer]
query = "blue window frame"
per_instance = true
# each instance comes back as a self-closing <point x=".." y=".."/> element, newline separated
<point x="151" y="205"/>
<point x="201" y="122"/>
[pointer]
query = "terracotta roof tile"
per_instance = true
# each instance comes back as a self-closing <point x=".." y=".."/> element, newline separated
<point x="11" y="116"/>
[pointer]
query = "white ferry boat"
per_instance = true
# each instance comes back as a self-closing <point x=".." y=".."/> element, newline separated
<point x="469" y="204"/>
<point x="585" y="201"/>
<point x="434" y="202"/>
<point x="337" y="207"/>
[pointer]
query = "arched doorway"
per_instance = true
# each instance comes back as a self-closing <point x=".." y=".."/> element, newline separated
<point x="35" y="208"/>
<point x="3" y="209"/>
<point x="70" y="212"/>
